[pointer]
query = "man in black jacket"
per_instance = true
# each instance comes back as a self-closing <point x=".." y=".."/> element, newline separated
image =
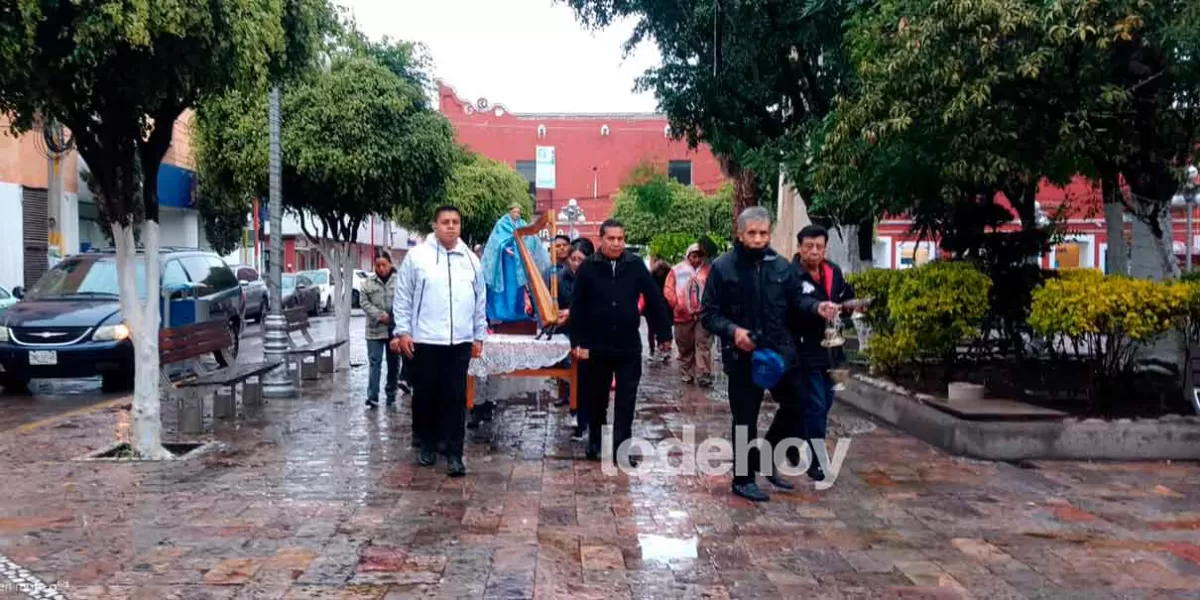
<point x="747" y="300"/>
<point x="822" y="281"/>
<point x="604" y="327"/>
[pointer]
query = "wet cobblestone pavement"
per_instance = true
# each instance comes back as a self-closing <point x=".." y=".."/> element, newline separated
<point x="320" y="498"/>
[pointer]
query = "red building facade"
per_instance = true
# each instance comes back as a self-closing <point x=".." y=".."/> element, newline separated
<point x="1085" y="244"/>
<point x="594" y="153"/>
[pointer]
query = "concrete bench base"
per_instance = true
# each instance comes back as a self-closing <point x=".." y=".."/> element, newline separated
<point x="1172" y="437"/>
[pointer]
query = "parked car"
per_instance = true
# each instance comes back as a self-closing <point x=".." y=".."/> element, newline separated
<point x="359" y="277"/>
<point x="69" y="323"/>
<point x="258" y="299"/>
<point x="299" y="290"/>
<point x="6" y="299"/>
<point x="323" y="280"/>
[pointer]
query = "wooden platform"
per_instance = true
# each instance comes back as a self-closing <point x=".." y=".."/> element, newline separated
<point x="994" y="410"/>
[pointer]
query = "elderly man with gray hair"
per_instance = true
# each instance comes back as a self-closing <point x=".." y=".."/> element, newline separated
<point x="747" y="299"/>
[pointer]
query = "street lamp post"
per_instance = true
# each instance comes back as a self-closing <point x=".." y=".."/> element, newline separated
<point x="277" y="383"/>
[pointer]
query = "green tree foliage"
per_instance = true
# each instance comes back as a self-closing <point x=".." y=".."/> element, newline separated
<point x="687" y="210"/>
<point x="118" y="74"/>
<point x="748" y="78"/>
<point x="483" y="189"/>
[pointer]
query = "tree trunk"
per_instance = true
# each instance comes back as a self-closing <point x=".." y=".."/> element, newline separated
<point x="744" y="193"/>
<point x="1116" y="260"/>
<point x="143" y="321"/>
<point x="1153" y="251"/>
<point x="341" y="271"/>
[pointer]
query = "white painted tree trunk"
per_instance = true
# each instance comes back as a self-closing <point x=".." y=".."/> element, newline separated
<point x="1153" y="256"/>
<point x="142" y="319"/>
<point x="843" y="248"/>
<point x="1116" y="261"/>
<point x="340" y="258"/>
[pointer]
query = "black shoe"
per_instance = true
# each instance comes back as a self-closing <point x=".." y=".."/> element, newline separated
<point x="578" y="433"/>
<point x="372" y="403"/>
<point x="473" y="424"/>
<point x="634" y="461"/>
<point x="704" y="381"/>
<point x="750" y="492"/>
<point x="455" y="467"/>
<point x="562" y="402"/>
<point x="427" y="458"/>
<point x="780" y="482"/>
<point x="391" y="402"/>
<point x="593" y="453"/>
<point x="404" y="387"/>
<point x="815" y="472"/>
<point x="488" y="412"/>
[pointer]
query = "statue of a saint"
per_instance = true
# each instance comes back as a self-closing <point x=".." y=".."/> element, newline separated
<point x="503" y="272"/>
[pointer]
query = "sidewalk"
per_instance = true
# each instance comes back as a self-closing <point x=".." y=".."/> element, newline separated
<point x="319" y="498"/>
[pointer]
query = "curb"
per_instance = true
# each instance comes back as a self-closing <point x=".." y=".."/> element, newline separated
<point x="1169" y="438"/>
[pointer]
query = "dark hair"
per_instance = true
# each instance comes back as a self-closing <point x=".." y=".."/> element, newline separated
<point x="437" y="212"/>
<point x="812" y="231"/>
<point x="660" y="268"/>
<point x="381" y="253"/>
<point x="583" y="245"/>
<point x="562" y="237"/>
<point x="610" y="223"/>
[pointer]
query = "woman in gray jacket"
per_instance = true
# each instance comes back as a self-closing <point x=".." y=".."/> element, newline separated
<point x="376" y="297"/>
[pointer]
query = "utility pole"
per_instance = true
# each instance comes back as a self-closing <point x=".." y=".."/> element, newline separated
<point x="277" y="383"/>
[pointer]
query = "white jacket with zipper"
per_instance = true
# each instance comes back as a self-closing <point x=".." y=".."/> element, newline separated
<point x="441" y="298"/>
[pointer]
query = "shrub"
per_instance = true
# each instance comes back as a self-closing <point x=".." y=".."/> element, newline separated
<point x="939" y="305"/>
<point x="875" y="284"/>
<point x="1102" y="319"/>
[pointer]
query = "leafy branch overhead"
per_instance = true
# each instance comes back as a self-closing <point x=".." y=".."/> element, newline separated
<point x="358" y="141"/>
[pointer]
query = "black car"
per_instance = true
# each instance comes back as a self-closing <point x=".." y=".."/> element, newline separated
<point x="69" y="324"/>
<point x="258" y="299"/>
<point x="299" y="290"/>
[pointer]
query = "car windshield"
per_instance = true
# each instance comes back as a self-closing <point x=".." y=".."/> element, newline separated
<point x="3" y="294"/>
<point x="289" y="283"/>
<point x="318" y="277"/>
<point x="85" y="277"/>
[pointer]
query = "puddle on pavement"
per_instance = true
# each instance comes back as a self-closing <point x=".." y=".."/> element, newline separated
<point x="664" y="549"/>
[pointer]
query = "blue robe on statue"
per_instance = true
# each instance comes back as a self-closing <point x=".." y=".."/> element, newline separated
<point x="504" y="273"/>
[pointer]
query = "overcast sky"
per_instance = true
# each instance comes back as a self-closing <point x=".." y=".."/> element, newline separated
<point x="530" y="55"/>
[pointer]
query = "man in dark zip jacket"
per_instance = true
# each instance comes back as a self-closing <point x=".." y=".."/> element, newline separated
<point x="604" y="328"/>
<point x="747" y="300"/>
<point x="822" y="281"/>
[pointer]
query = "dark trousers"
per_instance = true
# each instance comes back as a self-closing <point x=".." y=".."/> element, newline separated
<point x="597" y="378"/>
<point x="816" y="398"/>
<point x="581" y="408"/>
<point x="440" y="396"/>
<point x="377" y="354"/>
<point x="745" y="400"/>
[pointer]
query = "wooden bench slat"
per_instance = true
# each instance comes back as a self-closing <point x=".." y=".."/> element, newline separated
<point x="229" y="375"/>
<point x="315" y="348"/>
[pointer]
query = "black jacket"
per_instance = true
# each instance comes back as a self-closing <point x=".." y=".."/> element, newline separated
<point x="604" y="306"/>
<point x="809" y="329"/>
<point x="756" y="295"/>
<point x="566" y="288"/>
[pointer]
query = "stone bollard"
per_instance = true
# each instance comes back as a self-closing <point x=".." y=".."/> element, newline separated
<point x="191" y="413"/>
<point x="224" y="404"/>
<point x="961" y="391"/>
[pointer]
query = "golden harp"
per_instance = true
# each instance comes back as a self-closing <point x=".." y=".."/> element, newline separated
<point x="544" y="300"/>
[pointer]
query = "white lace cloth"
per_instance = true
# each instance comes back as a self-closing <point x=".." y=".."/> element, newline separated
<point x="505" y="353"/>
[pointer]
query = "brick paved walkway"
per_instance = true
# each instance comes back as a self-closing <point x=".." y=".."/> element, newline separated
<point x="317" y="498"/>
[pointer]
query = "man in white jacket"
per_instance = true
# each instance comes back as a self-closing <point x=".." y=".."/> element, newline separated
<point x="441" y="322"/>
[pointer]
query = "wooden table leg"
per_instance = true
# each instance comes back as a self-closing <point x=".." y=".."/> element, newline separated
<point x="574" y="385"/>
<point x="470" y="393"/>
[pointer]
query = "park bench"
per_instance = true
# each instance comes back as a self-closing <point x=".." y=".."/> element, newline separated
<point x="321" y="353"/>
<point x="185" y="347"/>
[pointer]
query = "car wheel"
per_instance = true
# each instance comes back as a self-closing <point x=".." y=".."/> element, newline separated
<point x="229" y="355"/>
<point x="329" y="304"/>
<point x="14" y="384"/>
<point x="117" y="382"/>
